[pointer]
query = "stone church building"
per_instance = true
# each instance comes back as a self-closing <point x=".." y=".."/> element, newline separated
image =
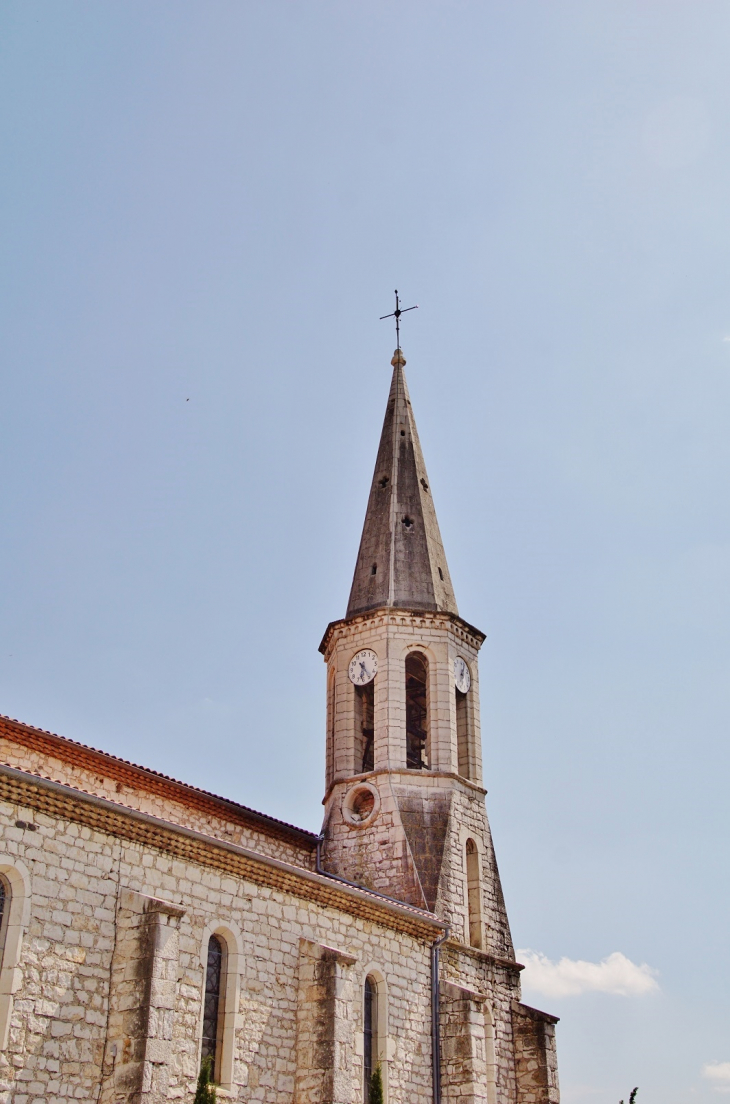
<point x="147" y="924"/>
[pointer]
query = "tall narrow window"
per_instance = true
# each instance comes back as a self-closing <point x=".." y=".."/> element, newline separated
<point x="370" y="1035"/>
<point x="474" y="894"/>
<point x="462" y="734"/>
<point x="213" y="1004"/>
<point x="416" y="711"/>
<point x="4" y="911"/>
<point x="364" y="727"/>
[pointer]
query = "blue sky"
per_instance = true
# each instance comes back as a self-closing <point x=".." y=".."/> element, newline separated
<point x="205" y="210"/>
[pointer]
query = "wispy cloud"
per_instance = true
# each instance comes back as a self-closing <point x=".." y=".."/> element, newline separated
<point x="569" y="978"/>
<point x="719" y="1074"/>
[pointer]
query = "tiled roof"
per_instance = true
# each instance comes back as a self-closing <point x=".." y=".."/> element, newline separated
<point x="144" y="778"/>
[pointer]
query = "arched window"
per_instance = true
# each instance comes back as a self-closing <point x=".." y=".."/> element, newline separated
<point x="474" y="893"/>
<point x="364" y="728"/>
<point x="15" y="881"/>
<point x="213" y="1002"/>
<point x="462" y="733"/>
<point x="4" y="913"/>
<point x="370" y="1035"/>
<point x="417" y="711"/>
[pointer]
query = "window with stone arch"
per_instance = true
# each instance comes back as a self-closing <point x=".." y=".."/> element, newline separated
<point x="214" y="1005"/>
<point x="221" y="958"/>
<point x="365" y="728"/>
<point x="5" y="901"/>
<point x="371" y="1048"/>
<point x="463" y="735"/>
<point x="15" y="899"/>
<point x="417" y="719"/>
<point x="474" y="893"/>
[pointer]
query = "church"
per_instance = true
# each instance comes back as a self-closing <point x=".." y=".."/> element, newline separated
<point x="147" y="926"/>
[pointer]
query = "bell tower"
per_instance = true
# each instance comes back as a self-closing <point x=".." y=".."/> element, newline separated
<point x="404" y="800"/>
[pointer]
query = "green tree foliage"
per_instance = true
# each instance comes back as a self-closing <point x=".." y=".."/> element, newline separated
<point x="205" y="1092"/>
<point x="632" y="1098"/>
<point x="375" y="1094"/>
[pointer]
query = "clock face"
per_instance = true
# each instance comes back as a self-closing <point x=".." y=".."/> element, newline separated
<point x="462" y="677"/>
<point x="363" y="667"/>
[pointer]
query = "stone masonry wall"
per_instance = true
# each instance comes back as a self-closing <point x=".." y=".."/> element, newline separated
<point x="144" y="975"/>
<point x="535" y="1056"/>
<point x="498" y="985"/>
<point x="65" y="1036"/>
<point x="136" y="797"/>
<point x="325" y="1039"/>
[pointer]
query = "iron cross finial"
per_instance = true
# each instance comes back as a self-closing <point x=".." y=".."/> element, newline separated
<point x="396" y="314"/>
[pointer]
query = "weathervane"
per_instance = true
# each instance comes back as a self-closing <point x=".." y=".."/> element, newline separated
<point x="396" y="314"/>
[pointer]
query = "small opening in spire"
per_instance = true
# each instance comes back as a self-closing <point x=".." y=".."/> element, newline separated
<point x="424" y="484"/>
<point x="402" y="433"/>
<point x="441" y="574"/>
<point x="384" y="481"/>
<point x="374" y="569"/>
<point x="407" y="521"/>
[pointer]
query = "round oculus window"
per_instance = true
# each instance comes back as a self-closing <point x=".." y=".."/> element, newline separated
<point x="361" y="805"/>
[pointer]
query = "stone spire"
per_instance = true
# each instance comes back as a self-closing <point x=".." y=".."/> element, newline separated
<point x="401" y="561"/>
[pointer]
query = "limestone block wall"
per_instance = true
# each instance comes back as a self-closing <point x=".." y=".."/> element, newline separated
<point x="59" y="1014"/>
<point x="140" y="793"/>
<point x="468" y="820"/>
<point x="535" y="1056"/>
<point x="467" y="1058"/>
<point x="376" y="855"/>
<point x="325" y="1037"/>
<point x="141" y="1008"/>
<point x="90" y="889"/>
<point x="414" y="846"/>
<point x="497" y="984"/>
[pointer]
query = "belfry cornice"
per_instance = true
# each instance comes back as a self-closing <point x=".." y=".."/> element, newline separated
<point x="414" y="619"/>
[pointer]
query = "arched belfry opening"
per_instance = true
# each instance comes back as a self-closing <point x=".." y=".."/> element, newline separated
<point x="417" y="720"/>
<point x="364" y="728"/>
<point x="462" y="733"/>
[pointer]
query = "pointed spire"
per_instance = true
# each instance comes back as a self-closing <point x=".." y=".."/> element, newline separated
<point x="401" y="561"/>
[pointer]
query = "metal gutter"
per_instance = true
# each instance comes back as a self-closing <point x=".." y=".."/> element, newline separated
<point x="435" y="1017"/>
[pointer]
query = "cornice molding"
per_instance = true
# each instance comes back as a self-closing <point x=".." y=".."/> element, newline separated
<point x="389" y="615"/>
<point x="66" y="803"/>
<point x="149" y="781"/>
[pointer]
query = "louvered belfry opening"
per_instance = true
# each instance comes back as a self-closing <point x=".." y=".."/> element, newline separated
<point x="416" y="712"/>
<point x="364" y="727"/>
<point x="462" y="733"/>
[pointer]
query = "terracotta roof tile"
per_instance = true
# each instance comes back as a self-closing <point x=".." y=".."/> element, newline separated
<point x="123" y="770"/>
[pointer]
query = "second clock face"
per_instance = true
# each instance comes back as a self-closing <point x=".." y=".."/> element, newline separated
<point x="462" y="676"/>
<point x="363" y="667"/>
